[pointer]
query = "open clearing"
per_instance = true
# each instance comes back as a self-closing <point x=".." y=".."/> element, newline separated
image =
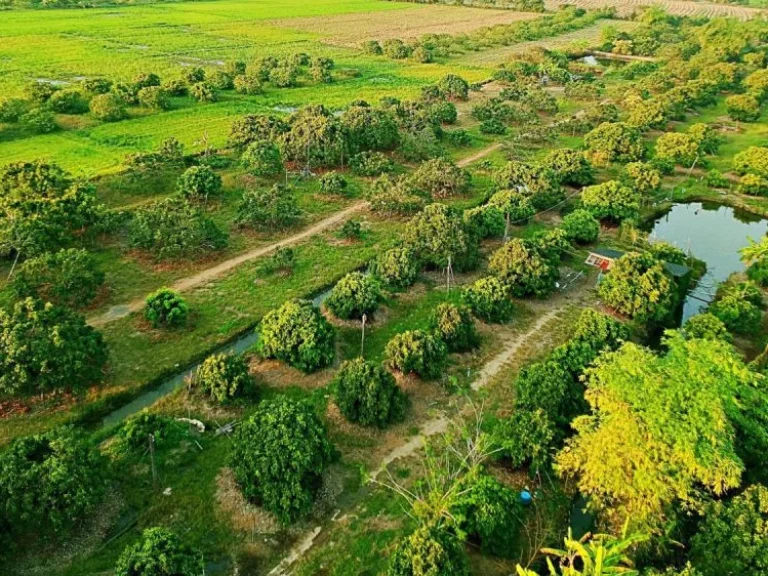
<point x="351" y="29"/>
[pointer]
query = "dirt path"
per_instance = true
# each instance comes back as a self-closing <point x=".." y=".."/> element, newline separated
<point x="464" y="162"/>
<point x="120" y="311"/>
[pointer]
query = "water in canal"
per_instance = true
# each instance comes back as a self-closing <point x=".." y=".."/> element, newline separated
<point x="712" y="233"/>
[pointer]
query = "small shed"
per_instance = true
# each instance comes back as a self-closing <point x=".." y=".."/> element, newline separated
<point x="603" y="258"/>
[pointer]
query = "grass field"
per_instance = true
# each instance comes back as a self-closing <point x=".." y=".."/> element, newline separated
<point x="676" y="7"/>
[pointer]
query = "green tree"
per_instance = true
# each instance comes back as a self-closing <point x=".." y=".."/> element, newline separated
<point x="397" y="267"/>
<point x="753" y="160"/>
<point x="514" y="206"/>
<point x="614" y="142"/>
<point x="354" y="296"/>
<point x="743" y="107"/>
<point x="453" y="325"/>
<point x="441" y="178"/>
<point x="199" y="183"/>
<point x="429" y="551"/>
<point x="677" y="148"/>
<point x="333" y="183"/>
<point x="166" y="308"/>
<point x="202" y="92"/>
<point x="248" y="83"/>
<point x="108" y="107"/>
<point x="67" y="278"/>
<point x="315" y="138"/>
<point x="580" y="226"/>
<point x="611" y="201"/>
<point x="44" y="347"/>
<point x="454" y="87"/>
<point x="255" y="128"/>
<point x="274" y="208"/>
<point x="522" y="266"/>
<point x="571" y="166"/>
<point x="159" y="552"/>
<point x="154" y="97"/>
<point x="643" y="177"/>
<point x="488" y="298"/>
<point x="367" y="394"/>
<point x="297" y="334"/>
<point x="525" y="438"/>
<point x="437" y="235"/>
<point x="279" y="455"/>
<point x="224" y="377"/>
<point x="707" y="327"/>
<point x="262" y="158"/>
<point x="485" y="221"/>
<point x="419" y="352"/>
<point x="367" y="128"/>
<point x="68" y="102"/>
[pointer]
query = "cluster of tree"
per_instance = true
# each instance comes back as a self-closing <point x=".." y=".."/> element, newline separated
<point x="752" y="165"/>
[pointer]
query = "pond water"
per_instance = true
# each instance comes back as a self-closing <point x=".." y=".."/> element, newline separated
<point x="237" y="346"/>
<point x="712" y="233"/>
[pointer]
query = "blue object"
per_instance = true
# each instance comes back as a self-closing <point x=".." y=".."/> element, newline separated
<point x="526" y="498"/>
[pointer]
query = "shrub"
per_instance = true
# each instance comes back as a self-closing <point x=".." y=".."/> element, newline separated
<point x="614" y="141"/>
<point x="45" y="348"/>
<point x="488" y="298"/>
<point x="193" y="74"/>
<point x="580" y="226"/>
<point x="274" y="207"/>
<point x="419" y="352"/>
<point x="396" y="49"/>
<point x="333" y="183"/>
<point x="254" y="128"/>
<point x="166" y="308"/>
<point x="262" y="158"/>
<point x="454" y="87"/>
<point x="354" y="296"/>
<point x="96" y="85"/>
<point x="296" y="333"/>
<point x="154" y="97"/>
<point x="135" y="432"/>
<point x="197" y="183"/>
<point x="491" y="514"/>
<point x="743" y="107"/>
<point x="458" y="137"/>
<point x="203" y="92"/>
<point x="12" y="110"/>
<point x="367" y="394"/>
<point x="49" y="481"/>
<point x="235" y="67"/>
<point x="159" y="552"/>
<point x="753" y="160"/>
<point x="677" y="148"/>
<point x="397" y="267"/>
<point x="283" y="76"/>
<point x="351" y="230"/>
<point x="371" y="164"/>
<point x="248" y="83"/>
<point x="279" y="455"/>
<point x="224" y="377"/>
<point x="175" y="87"/>
<point x="611" y="201"/>
<point x="39" y="92"/>
<point x="638" y="287"/>
<point x="173" y="228"/>
<point x="514" y="206"/>
<point x="367" y="128"/>
<point x="547" y="386"/>
<point x="372" y="47"/>
<point x="706" y="326"/>
<point x="753" y="185"/>
<point x="395" y="196"/>
<point x="485" y="221"/>
<point x="441" y="178"/>
<point x="429" y="551"/>
<point x="39" y="121"/>
<point x="524" y="268"/>
<point x="108" y="107"/>
<point x="525" y="438"/>
<point x="454" y="326"/>
<point x="644" y="177"/>
<point x="68" y="102"/>
<point x="221" y="80"/>
<point x="739" y="315"/>
<point x="437" y="235"/>
<point x="67" y="278"/>
<point x="570" y="166"/>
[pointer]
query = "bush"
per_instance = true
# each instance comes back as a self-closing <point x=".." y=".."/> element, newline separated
<point x="491" y="515"/>
<point x="547" y="386"/>
<point x="46" y="348"/>
<point x="255" y="128"/>
<point x="248" y="83"/>
<point x="638" y="287"/>
<point x="677" y="148"/>
<point x="197" y="183"/>
<point x="96" y="85"/>
<point x="68" y="102"/>
<point x="485" y="221"/>
<point x="441" y="178"/>
<point x="514" y="206"/>
<point x="12" y="110"/>
<point x="429" y="551"/>
<point x="224" y="377"/>
<point x="454" y="326"/>
<point x="108" y="108"/>
<point x="66" y="278"/>
<point x="396" y="49"/>
<point x="397" y="267"/>
<point x="159" y="552"/>
<point x="166" y="308"/>
<point x="737" y="314"/>
<point x="39" y="121"/>
<point x="371" y="164"/>
<point x="454" y="87"/>
<point x="525" y="438"/>
<point x="154" y="97"/>
<point x="419" y="352"/>
<point x="614" y="141"/>
<point x="221" y="80"/>
<point x="437" y="235"/>
<point x="351" y="230"/>
<point x="458" y="137"/>
<point x="262" y="158"/>
<point x="581" y="227"/>
<point x="753" y="160"/>
<point x="202" y="92"/>
<point x="372" y="47"/>
<point x="273" y="208"/>
<point x="173" y="228"/>
<point x="333" y="183"/>
<point x="284" y="76"/>
<point x="134" y="433"/>
<point x="279" y="455"/>
<point x="48" y="482"/>
<point x="706" y="326"/>
<point x="367" y="394"/>
<point x="193" y="74"/>
<point x="296" y="333"/>
<point x="753" y="185"/>
<point x="354" y="296"/>
<point x="644" y="177"/>
<point x="743" y="107"/>
<point x="175" y="87"/>
<point x="611" y="201"/>
<point x="524" y="268"/>
<point x="39" y="92"/>
<point x="488" y="298"/>
<point x="570" y="166"/>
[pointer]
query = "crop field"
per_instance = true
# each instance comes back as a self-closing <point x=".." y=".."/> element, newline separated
<point x="373" y="288"/>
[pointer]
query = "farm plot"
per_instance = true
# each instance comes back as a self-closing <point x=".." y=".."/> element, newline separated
<point x="675" y="7"/>
<point x="351" y="29"/>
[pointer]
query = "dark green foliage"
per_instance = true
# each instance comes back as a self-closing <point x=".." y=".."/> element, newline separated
<point x="354" y="296"/>
<point x="255" y="128"/>
<point x="166" y="308"/>
<point x="372" y="47"/>
<point x="367" y="128"/>
<point x="514" y="206"/>
<point x="11" y="110"/>
<point x="202" y="92"/>
<point x="667" y="252"/>
<point x="419" y="352"/>
<point x="371" y="164"/>
<point x="174" y="228"/>
<point x="351" y="230"/>
<point x="108" y="107"/>
<point x="397" y="267"/>
<point x="272" y="208"/>
<point x="96" y="85"/>
<point x="437" y="234"/>
<point x="314" y="139"/>
<point x="367" y="394"/>
<point x="48" y="482"/>
<point x="581" y="227"/>
<point x="524" y="267"/>
<point x="198" y="183"/>
<point x="247" y="84"/>
<point x="299" y="335"/>
<point x="525" y="438"/>
<point x="145" y="81"/>
<point x="193" y="75"/>
<point x="39" y="92"/>
<point x="488" y="298"/>
<point x="454" y="87"/>
<point x="454" y="326"/>
<point x="733" y="538"/>
<point x="279" y="455"/>
<point x="611" y="201"/>
<point x="395" y="48"/>
<point x="549" y="387"/>
<point x="135" y="432"/>
<point x="154" y="97"/>
<point x="159" y="552"/>
<point x="39" y="121"/>
<point x="758" y="273"/>
<point x="67" y="278"/>
<point x="44" y="348"/>
<point x="68" y="102"/>
<point x="333" y="183"/>
<point x="706" y="326"/>
<point x="224" y="377"/>
<point x="491" y="515"/>
<point x="570" y="166"/>
<point x="485" y="221"/>
<point x="262" y="158"/>
<point x="739" y="307"/>
<point x="441" y="178"/>
<point x="221" y="80"/>
<point x="429" y="551"/>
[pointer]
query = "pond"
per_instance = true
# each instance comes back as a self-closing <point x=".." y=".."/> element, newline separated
<point x="712" y="233"/>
